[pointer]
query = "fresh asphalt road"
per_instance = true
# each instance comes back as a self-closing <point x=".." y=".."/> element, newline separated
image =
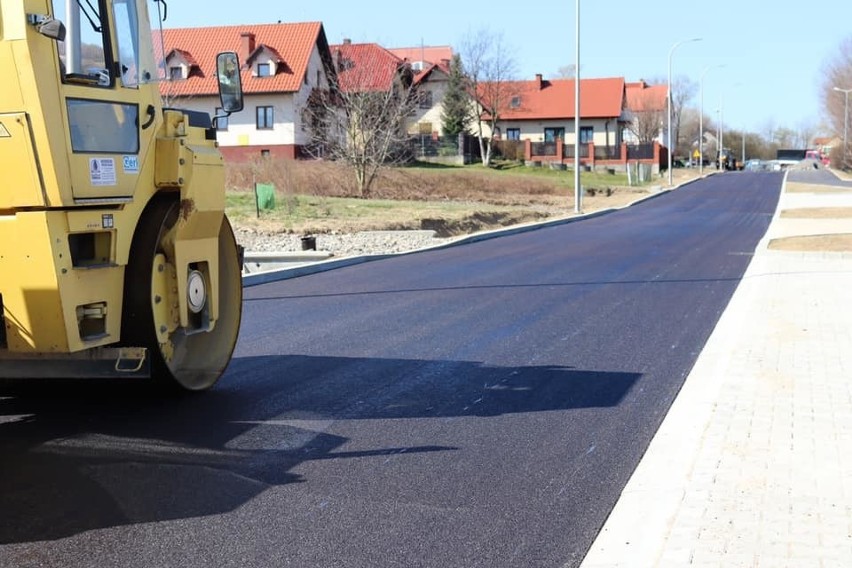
<point x="480" y="405"/>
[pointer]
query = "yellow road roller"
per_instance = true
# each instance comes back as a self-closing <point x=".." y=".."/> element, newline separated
<point x="116" y="258"/>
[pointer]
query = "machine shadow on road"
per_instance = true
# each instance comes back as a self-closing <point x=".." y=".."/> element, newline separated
<point x="84" y="455"/>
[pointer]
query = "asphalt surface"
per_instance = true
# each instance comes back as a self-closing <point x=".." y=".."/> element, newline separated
<point x="481" y="405"/>
<point x="819" y="176"/>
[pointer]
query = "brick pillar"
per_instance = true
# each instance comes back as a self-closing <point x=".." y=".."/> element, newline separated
<point x="591" y="147"/>
<point x="560" y="149"/>
<point x="623" y="153"/>
<point x="528" y="149"/>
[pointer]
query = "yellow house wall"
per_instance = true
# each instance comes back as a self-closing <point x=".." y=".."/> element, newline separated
<point x="534" y="130"/>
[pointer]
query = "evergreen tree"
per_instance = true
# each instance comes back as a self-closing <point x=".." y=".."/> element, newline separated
<point x="456" y="115"/>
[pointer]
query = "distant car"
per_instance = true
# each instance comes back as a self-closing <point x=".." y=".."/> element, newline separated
<point x="754" y="165"/>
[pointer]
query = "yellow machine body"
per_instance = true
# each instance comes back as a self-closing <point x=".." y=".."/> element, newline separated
<point x="82" y="154"/>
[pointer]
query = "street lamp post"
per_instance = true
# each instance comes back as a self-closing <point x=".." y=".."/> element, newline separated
<point x="845" y="118"/>
<point x="701" y="120"/>
<point x="719" y="140"/>
<point x="721" y="133"/>
<point x="578" y="194"/>
<point x="669" y="115"/>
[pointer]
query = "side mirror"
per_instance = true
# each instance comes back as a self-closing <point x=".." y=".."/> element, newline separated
<point x="230" y="86"/>
<point x="47" y="26"/>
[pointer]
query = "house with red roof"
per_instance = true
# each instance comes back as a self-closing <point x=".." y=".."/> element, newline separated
<point x="367" y="67"/>
<point x="541" y="114"/>
<point x="281" y="65"/>
<point x="646" y="112"/>
<point x="431" y="66"/>
<point x="542" y="110"/>
<point x="423" y="57"/>
<point x="370" y="66"/>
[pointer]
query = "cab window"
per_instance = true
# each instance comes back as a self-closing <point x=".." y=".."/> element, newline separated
<point x="84" y="55"/>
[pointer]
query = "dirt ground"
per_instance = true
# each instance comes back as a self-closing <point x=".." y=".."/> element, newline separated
<point x="814" y="243"/>
<point x="836" y="242"/>
<point x="550" y="207"/>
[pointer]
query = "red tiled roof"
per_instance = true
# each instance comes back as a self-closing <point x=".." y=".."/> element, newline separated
<point x="293" y="42"/>
<point x="363" y="67"/>
<point x="824" y="140"/>
<point x="428" y="54"/>
<point x="424" y="73"/>
<point x="554" y="99"/>
<point x="642" y="97"/>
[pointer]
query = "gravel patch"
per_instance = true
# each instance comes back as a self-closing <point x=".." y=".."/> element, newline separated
<point x="340" y="245"/>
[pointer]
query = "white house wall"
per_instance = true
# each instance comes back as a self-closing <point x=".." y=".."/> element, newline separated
<point x="316" y="79"/>
<point x="287" y="112"/>
<point x="242" y="126"/>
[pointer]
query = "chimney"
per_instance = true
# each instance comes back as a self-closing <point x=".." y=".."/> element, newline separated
<point x="246" y="46"/>
<point x="538" y="81"/>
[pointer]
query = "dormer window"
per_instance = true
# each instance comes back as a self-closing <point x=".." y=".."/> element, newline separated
<point x="516" y="102"/>
<point x="264" y="69"/>
<point x="180" y="65"/>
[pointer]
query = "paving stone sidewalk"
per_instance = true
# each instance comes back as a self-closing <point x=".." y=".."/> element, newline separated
<point x="753" y="464"/>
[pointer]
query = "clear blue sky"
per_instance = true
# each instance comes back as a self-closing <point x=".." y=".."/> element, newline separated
<point x="772" y="50"/>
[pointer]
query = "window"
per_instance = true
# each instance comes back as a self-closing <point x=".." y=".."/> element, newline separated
<point x="102" y="127"/>
<point x="264" y="153"/>
<point x="85" y="60"/>
<point x="126" y="33"/>
<point x="425" y="99"/>
<point x="513" y="134"/>
<point x="221" y="119"/>
<point x="175" y="73"/>
<point x="587" y="134"/>
<point x="265" y="118"/>
<point x="264" y="70"/>
<point x="516" y="102"/>
<point x="554" y="134"/>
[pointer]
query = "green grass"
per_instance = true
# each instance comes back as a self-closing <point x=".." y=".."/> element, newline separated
<point x="310" y="213"/>
<point x="512" y="168"/>
<point x="316" y="196"/>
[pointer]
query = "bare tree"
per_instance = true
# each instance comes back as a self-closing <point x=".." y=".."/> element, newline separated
<point x="837" y="73"/>
<point x="805" y="132"/>
<point x="683" y="90"/>
<point x="566" y="72"/>
<point x="360" y="120"/>
<point x="648" y="119"/>
<point x="490" y="69"/>
<point x="785" y="138"/>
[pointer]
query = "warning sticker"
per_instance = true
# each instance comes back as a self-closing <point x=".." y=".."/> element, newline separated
<point x="4" y="132"/>
<point x="102" y="171"/>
